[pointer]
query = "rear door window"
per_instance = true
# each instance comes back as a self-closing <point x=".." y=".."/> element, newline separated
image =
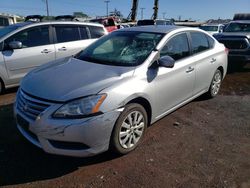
<point x="96" y="32"/>
<point x="67" y="33"/>
<point x="199" y="42"/>
<point x="84" y="33"/>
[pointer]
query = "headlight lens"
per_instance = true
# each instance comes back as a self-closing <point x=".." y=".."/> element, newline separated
<point x="81" y="107"/>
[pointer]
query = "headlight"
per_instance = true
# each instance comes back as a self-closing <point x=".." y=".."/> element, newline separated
<point x="81" y="107"/>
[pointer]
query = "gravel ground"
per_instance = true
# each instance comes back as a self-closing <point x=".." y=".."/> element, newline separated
<point x="206" y="143"/>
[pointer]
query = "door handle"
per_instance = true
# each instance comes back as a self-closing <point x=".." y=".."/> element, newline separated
<point x="212" y="60"/>
<point x="46" y="51"/>
<point x="62" y="49"/>
<point x="190" y="69"/>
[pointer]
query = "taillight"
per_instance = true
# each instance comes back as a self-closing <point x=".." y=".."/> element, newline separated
<point x="227" y="50"/>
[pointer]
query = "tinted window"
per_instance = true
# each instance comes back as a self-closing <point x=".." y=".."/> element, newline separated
<point x="96" y="32"/>
<point x="4" y="22"/>
<point x="37" y="36"/>
<point x="209" y="28"/>
<point x="84" y="33"/>
<point x="177" y="47"/>
<point x="145" y="22"/>
<point x="67" y="33"/>
<point x="238" y="27"/>
<point x="199" y="42"/>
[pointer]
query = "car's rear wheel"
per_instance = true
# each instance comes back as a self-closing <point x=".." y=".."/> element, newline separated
<point x="215" y="84"/>
<point x="129" y="129"/>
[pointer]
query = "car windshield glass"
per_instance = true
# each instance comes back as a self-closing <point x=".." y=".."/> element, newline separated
<point x="238" y="27"/>
<point x="4" y="31"/>
<point x="145" y="22"/>
<point x="122" y="48"/>
<point x="209" y="28"/>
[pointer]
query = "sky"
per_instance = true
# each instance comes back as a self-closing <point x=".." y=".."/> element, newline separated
<point x="199" y="10"/>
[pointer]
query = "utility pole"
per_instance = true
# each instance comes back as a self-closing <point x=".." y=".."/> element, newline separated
<point x="142" y="13"/>
<point x="47" y="7"/>
<point x="156" y="5"/>
<point x="163" y="15"/>
<point x="107" y="7"/>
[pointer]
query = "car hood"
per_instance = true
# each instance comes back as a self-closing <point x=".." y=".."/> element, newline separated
<point x="232" y="34"/>
<point x="70" y="78"/>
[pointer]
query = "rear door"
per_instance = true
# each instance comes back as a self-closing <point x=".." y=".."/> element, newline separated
<point x="205" y="59"/>
<point x="37" y="49"/>
<point x="70" y="39"/>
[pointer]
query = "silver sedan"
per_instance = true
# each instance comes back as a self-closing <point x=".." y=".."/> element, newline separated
<point x="106" y="96"/>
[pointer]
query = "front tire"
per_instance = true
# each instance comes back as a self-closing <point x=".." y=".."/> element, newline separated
<point x="215" y="84"/>
<point x="129" y="129"/>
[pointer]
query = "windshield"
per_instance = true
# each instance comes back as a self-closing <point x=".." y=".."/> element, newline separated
<point x="122" y="48"/>
<point x="145" y="22"/>
<point x="238" y="27"/>
<point x="209" y="28"/>
<point x="4" y="31"/>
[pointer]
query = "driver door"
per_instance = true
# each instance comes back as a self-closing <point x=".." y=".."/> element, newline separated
<point x="36" y="50"/>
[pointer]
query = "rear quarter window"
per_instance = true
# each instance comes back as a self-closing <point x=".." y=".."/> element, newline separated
<point x="199" y="42"/>
<point x="211" y="41"/>
<point x="96" y="32"/>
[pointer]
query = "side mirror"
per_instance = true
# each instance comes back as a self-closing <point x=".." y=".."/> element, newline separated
<point x="166" y="61"/>
<point x="15" y="45"/>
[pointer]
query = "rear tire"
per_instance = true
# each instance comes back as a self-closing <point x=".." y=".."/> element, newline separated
<point x="215" y="84"/>
<point x="129" y="129"/>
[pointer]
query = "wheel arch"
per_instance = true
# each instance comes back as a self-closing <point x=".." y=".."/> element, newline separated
<point x="221" y="69"/>
<point x="146" y="105"/>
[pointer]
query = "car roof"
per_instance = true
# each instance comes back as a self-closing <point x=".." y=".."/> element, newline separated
<point x="153" y="28"/>
<point x="212" y="24"/>
<point x="240" y="21"/>
<point x="22" y="24"/>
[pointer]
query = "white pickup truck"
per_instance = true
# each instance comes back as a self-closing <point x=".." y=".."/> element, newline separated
<point x="7" y="19"/>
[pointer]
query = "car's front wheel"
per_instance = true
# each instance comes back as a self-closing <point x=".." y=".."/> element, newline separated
<point x="129" y="129"/>
<point x="215" y="84"/>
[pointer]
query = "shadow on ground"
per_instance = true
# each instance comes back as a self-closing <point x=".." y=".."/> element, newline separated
<point x="21" y="162"/>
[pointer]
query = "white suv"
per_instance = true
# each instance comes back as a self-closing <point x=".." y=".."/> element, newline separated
<point x="26" y="45"/>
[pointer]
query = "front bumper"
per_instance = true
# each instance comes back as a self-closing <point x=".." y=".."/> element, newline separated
<point x="239" y="55"/>
<point x="71" y="137"/>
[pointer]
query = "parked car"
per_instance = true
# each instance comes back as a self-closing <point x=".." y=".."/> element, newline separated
<point x="26" y="45"/>
<point x="164" y="22"/>
<point x="155" y="22"/>
<point x="7" y="19"/>
<point x="108" y="22"/>
<point x="212" y="28"/>
<point x="108" y="95"/>
<point x="145" y="22"/>
<point x="236" y="37"/>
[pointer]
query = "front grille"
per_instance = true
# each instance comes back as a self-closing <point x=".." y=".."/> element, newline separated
<point x="240" y="44"/>
<point x="30" y="106"/>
